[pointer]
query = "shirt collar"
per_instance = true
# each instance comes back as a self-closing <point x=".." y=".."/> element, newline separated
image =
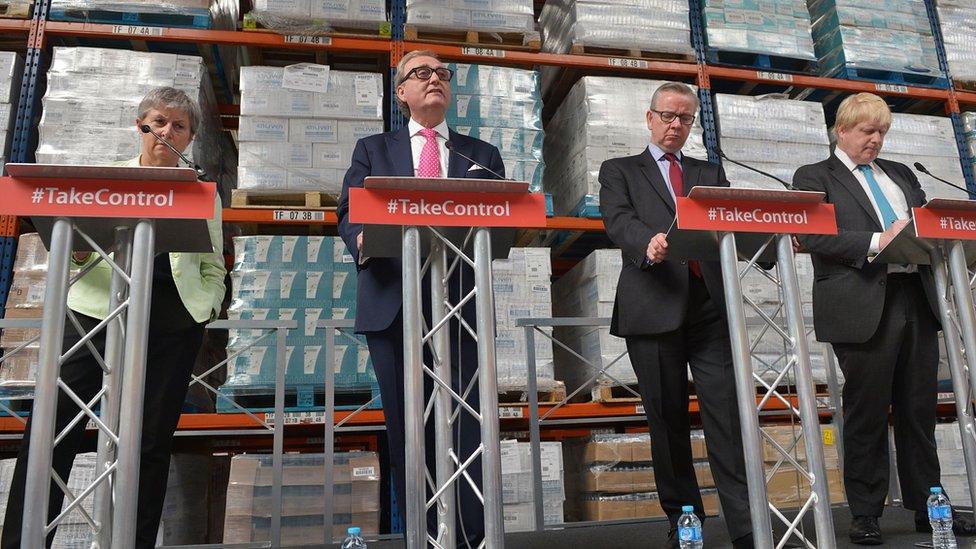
<point x="414" y="128"/>
<point x="657" y="153"/>
<point x="843" y="157"/>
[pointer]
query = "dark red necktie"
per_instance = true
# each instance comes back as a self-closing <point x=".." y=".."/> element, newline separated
<point x="678" y="186"/>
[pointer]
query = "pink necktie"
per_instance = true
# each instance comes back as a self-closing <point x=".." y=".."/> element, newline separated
<point x="430" y="157"/>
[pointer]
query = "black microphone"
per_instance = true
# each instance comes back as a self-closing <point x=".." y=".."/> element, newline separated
<point x="923" y="169"/>
<point x="201" y="174"/>
<point x="721" y="154"/>
<point x="450" y="147"/>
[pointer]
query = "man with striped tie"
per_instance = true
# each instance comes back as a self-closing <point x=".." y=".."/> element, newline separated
<point x="881" y="319"/>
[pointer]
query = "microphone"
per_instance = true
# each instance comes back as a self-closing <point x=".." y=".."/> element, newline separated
<point x="201" y="175"/>
<point x="721" y="155"/>
<point x="450" y="147"/>
<point x="923" y="169"/>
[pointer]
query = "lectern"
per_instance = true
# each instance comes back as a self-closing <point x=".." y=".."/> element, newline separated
<point x="118" y="212"/>
<point x="729" y="224"/>
<point x="416" y="218"/>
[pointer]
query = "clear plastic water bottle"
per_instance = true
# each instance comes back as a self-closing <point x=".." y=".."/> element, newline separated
<point x="353" y="539"/>
<point x="689" y="529"/>
<point x="940" y="517"/>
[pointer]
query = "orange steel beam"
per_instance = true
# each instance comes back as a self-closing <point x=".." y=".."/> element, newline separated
<point x="15" y="25"/>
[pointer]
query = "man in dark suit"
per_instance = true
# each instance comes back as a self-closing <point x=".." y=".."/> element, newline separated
<point x="881" y="319"/>
<point x="672" y="314"/>
<point x="419" y="149"/>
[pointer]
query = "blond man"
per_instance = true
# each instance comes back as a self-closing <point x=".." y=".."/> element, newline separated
<point x="880" y="319"/>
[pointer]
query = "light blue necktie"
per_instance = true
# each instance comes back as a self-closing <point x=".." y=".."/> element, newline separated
<point x="887" y="212"/>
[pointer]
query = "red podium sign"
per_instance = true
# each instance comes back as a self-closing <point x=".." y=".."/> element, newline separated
<point x="955" y="222"/>
<point x="378" y="206"/>
<point x="55" y="197"/>
<point x="755" y="211"/>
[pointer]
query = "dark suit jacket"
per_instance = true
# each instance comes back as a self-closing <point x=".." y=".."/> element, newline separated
<point x="636" y="205"/>
<point x="848" y="290"/>
<point x="379" y="293"/>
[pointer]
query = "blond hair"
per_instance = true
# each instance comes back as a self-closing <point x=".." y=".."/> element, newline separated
<point x="862" y="107"/>
<point x="401" y="75"/>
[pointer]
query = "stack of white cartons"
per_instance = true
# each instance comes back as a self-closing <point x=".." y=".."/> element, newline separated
<point x="502" y="106"/>
<point x="522" y="289"/>
<point x="299" y="125"/>
<point x="355" y="497"/>
<point x="953" y="464"/>
<point x="317" y="16"/>
<point x="969" y="126"/>
<point x="886" y="35"/>
<point x="602" y="117"/>
<point x="517" y="484"/>
<point x="771" y="133"/>
<point x="507" y="16"/>
<point x="660" y="26"/>
<point x="931" y="141"/>
<point x="588" y="290"/>
<point x="25" y="300"/>
<point x="778" y="27"/>
<point x="11" y="72"/>
<point x="92" y="102"/>
<point x="958" y="21"/>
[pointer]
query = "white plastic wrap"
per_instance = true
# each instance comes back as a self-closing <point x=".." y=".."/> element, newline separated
<point x="953" y="463"/>
<point x="478" y="15"/>
<point x="589" y="290"/>
<point x="889" y="35"/>
<point x="647" y="25"/>
<point x="600" y="118"/>
<point x="522" y="290"/>
<point x="777" y="27"/>
<point x="516" y="458"/>
<point x="295" y="139"/>
<point x="931" y="141"/>
<point x="958" y="21"/>
<point x="311" y="17"/>
<point x="92" y="99"/>
<point x="11" y="73"/>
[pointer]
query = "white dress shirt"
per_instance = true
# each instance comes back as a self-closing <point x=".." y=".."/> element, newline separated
<point x="891" y="190"/>
<point x="418" y="141"/>
<point x="663" y="164"/>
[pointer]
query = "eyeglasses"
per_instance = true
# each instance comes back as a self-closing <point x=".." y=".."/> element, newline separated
<point x="424" y="72"/>
<point x="668" y="117"/>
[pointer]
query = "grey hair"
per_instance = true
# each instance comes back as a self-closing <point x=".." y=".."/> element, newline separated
<point x="677" y="88"/>
<point x="171" y="98"/>
<point x="401" y="75"/>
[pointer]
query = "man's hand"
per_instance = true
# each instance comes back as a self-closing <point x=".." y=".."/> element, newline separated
<point x="657" y="248"/>
<point x="894" y="229"/>
<point x="796" y="245"/>
<point x="359" y="243"/>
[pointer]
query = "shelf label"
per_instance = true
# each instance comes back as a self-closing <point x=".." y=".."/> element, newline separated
<point x="626" y="63"/>
<point x="777" y="76"/>
<point x="297" y="418"/>
<point x="133" y="30"/>
<point x="639" y="409"/>
<point x="298" y="215"/>
<point x="482" y="52"/>
<point x="896" y="88"/>
<point x="510" y="412"/>
<point x="299" y="39"/>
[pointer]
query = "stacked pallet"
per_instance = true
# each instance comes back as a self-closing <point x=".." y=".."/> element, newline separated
<point x="958" y="21"/>
<point x="301" y="278"/>
<point x="517" y="482"/>
<point x="930" y="140"/>
<point x="786" y="486"/>
<point x="317" y="16"/>
<point x="11" y="72"/>
<point x="300" y="124"/>
<point x="25" y="300"/>
<point x="773" y="29"/>
<point x="498" y="22"/>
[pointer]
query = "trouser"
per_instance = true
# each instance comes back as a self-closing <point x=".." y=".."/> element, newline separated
<point x="896" y="368"/>
<point x="661" y="363"/>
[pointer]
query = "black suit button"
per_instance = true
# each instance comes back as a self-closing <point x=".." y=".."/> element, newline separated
<point x="882" y="282"/>
<point x="684" y="262"/>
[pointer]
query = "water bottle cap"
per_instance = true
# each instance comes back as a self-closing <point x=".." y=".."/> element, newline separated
<point x="354" y="531"/>
<point x="936" y="489"/>
<point x="687" y="509"/>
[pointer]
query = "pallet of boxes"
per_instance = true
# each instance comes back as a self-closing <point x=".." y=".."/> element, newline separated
<point x="615" y="478"/>
<point x="355" y="497"/>
<point x="25" y="300"/>
<point x="786" y="487"/>
<point x="517" y="482"/>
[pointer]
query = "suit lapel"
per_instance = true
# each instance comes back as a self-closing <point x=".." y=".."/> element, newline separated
<point x="457" y="166"/>
<point x="850" y="183"/>
<point x="651" y="172"/>
<point x="398" y="148"/>
<point x="691" y="173"/>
